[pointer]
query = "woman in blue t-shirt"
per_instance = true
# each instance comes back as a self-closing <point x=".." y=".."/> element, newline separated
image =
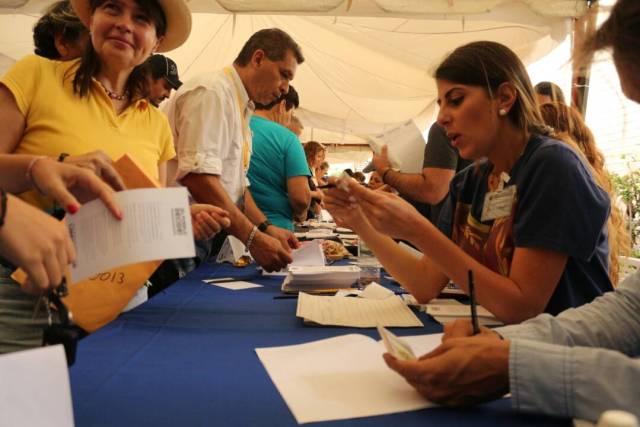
<point x="527" y="218"/>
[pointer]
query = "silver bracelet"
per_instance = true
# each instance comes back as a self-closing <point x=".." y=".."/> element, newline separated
<point x="254" y="230"/>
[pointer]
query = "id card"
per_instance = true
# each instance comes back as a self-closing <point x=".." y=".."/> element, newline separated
<point x="498" y="204"/>
<point x="395" y="346"/>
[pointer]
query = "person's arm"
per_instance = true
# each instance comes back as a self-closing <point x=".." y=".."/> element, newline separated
<point x="608" y="322"/>
<point x="523" y="294"/>
<point x="299" y="195"/>
<point x="429" y="187"/>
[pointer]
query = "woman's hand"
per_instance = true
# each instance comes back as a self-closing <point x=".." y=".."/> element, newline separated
<point x="101" y="165"/>
<point x="344" y="211"/>
<point x="287" y="239"/>
<point x="68" y="183"/>
<point x="208" y="220"/>
<point x="387" y="212"/>
<point x="37" y="243"/>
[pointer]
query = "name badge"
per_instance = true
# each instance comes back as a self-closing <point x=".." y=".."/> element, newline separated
<point x="498" y="204"/>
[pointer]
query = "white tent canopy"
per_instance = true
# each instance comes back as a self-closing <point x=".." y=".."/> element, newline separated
<point x="368" y="62"/>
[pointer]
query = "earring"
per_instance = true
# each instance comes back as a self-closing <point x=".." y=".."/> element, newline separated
<point x="502" y="112"/>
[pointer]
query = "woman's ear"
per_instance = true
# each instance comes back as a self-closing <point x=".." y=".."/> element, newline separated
<point x="155" y="46"/>
<point x="61" y="45"/>
<point x="506" y="96"/>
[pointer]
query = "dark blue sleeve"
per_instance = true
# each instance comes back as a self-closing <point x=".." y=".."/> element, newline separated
<point x="560" y="206"/>
<point x="447" y="210"/>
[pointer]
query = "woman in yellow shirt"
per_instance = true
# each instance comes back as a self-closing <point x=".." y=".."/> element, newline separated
<point x="88" y="112"/>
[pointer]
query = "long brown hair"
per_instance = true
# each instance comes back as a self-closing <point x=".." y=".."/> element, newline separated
<point x="488" y="65"/>
<point x="570" y="128"/>
<point x="137" y="83"/>
<point x="311" y="149"/>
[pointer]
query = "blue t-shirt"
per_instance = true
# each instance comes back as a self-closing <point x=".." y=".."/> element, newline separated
<point x="277" y="156"/>
<point x="558" y="207"/>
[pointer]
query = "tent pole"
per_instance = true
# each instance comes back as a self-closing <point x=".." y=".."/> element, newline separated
<point x="583" y="28"/>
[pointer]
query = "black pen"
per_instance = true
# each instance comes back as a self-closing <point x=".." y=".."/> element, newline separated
<point x="322" y="187"/>
<point x="472" y="298"/>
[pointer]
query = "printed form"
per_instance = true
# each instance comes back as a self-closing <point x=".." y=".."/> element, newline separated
<point x="356" y="312"/>
<point x="156" y="225"/>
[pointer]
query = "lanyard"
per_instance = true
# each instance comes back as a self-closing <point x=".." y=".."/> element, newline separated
<point x="246" y="130"/>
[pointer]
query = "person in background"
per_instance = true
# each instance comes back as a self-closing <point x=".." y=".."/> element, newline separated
<point x="278" y="172"/>
<point x="548" y="92"/>
<point x="426" y="191"/>
<point x="59" y="34"/>
<point x="527" y="253"/>
<point x="209" y="117"/>
<point x="295" y="125"/>
<point x="100" y="114"/>
<point x="321" y="173"/>
<point x="569" y="127"/>
<point x="315" y="154"/>
<point x="575" y="365"/>
<point x="163" y="77"/>
<point x="360" y="177"/>
<point x="375" y="181"/>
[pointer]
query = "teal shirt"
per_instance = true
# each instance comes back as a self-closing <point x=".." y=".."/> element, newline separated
<point x="277" y="155"/>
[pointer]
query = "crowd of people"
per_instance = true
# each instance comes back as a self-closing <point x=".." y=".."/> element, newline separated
<point x="513" y="189"/>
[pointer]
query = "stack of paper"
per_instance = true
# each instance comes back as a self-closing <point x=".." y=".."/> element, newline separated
<point x="448" y="310"/>
<point x="356" y="312"/>
<point x="317" y="278"/>
<point x="342" y="377"/>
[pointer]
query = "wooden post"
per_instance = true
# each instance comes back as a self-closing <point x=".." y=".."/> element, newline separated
<point x="583" y="28"/>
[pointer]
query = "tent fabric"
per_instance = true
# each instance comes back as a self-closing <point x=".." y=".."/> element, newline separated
<point x="368" y="66"/>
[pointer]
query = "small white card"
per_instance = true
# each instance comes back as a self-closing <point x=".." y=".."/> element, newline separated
<point x="235" y="286"/>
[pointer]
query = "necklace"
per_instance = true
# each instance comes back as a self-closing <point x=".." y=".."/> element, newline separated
<point x="113" y="95"/>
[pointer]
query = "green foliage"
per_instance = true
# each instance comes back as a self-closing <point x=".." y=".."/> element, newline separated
<point x="628" y="188"/>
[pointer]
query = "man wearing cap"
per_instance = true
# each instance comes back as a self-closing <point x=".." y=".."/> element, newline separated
<point x="163" y="76"/>
<point x="210" y="116"/>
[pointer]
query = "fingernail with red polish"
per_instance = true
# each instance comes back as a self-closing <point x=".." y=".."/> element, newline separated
<point x="72" y="208"/>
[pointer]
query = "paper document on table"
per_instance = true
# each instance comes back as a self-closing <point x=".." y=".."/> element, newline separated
<point x="448" y="310"/>
<point x="156" y="225"/>
<point x="355" y="312"/>
<point x="235" y="285"/>
<point x="405" y="146"/>
<point x="34" y="390"/>
<point x="342" y="377"/>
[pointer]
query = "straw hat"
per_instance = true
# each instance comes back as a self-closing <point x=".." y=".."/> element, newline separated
<point x="176" y="13"/>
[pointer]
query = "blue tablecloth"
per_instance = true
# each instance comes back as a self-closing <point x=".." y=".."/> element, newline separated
<point x="186" y="358"/>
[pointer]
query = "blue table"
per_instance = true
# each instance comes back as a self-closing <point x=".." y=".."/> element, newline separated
<point x="186" y="358"/>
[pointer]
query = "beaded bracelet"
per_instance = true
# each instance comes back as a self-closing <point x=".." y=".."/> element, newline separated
<point x="386" y="171"/>
<point x="3" y="206"/>
<point x="254" y="230"/>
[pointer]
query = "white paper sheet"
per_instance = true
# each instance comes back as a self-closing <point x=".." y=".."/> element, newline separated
<point x="376" y="291"/>
<point x="235" y="286"/>
<point x="356" y="312"/>
<point x="342" y="377"/>
<point x="34" y="388"/>
<point x="156" y="225"/>
<point x="447" y="310"/>
<point x="405" y="146"/>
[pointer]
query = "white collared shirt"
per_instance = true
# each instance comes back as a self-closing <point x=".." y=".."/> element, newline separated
<point x="206" y="119"/>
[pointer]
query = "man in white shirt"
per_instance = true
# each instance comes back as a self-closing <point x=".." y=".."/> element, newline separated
<point x="209" y="117"/>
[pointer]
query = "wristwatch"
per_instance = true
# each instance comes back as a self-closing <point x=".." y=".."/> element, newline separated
<point x="264" y="225"/>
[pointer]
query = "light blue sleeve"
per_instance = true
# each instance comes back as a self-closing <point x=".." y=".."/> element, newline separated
<point x="295" y="161"/>
<point x="581" y="362"/>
